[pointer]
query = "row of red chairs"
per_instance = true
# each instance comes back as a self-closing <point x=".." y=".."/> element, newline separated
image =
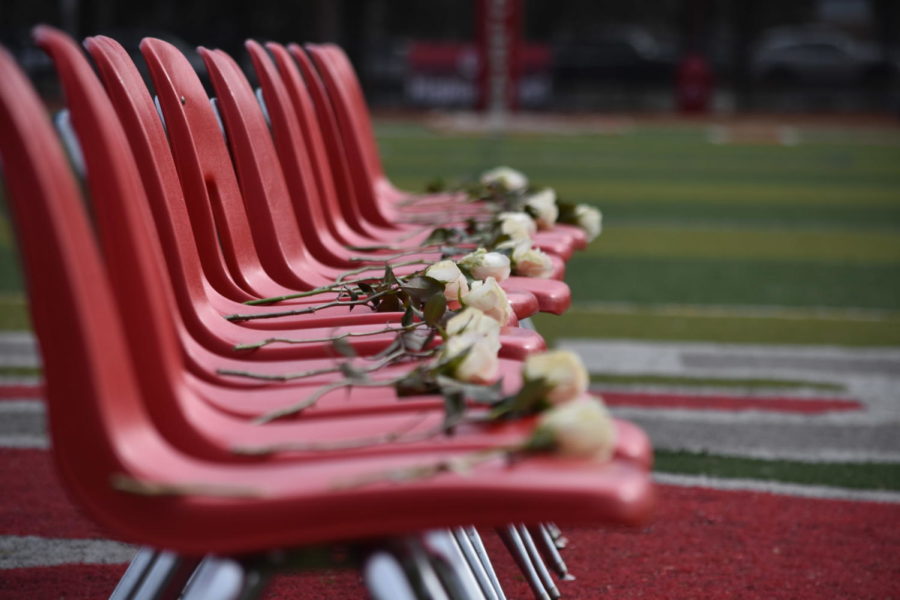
<point x="193" y="207"/>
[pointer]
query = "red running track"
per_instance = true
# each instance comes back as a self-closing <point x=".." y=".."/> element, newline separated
<point x="785" y="404"/>
<point x="704" y="544"/>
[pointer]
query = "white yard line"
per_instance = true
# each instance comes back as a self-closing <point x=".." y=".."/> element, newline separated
<point x="31" y="551"/>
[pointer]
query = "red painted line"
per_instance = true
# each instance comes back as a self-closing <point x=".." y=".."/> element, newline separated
<point x="10" y="392"/>
<point x="785" y="404"/>
<point x="33" y="501"/>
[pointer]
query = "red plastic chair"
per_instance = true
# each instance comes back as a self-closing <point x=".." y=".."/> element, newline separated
<point x="339" y="75"/>
<point x="552" y="296"/>
<point x="195" y="295"/>
<point x="102" y="432"/>
<point x="132" y="262"/>
<point x="199" y="148"/>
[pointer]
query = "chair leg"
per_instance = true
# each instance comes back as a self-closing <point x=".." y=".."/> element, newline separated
<point x="134" y="574"/>
<point x="538" y="562"/>
<point x="556" y="533"/>
<point x="225" y="579"/>
<point x="516" y="547"/>
<point x="164" y="577"/>
<point x="544" y="541"/>
<point x="481" y="551"/>
<point x="385" y="578"/>
<point x="451" y="565"/>
<point x="475" y="564"/>
<point x="426" y="579"/>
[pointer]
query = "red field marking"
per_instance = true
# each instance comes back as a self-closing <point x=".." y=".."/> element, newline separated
<point x="72" y="582"/>
<point x="735" y="403"/>
<point x="33" y="502"/>
<point x="704" y="543"/>
<point x="10" y="392"/>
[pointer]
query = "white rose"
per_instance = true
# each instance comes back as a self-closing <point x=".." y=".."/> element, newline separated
<point x="562" y="370"/>
<point x="581" y="428"/>
<point x="590" y="219"/>
<point x="480" y="363"/>
<point x="490" y="298"/>
<point x="543" y="207"/>
<point x="532" y="262"/>
<point x="483" y="264"/>
<point x="506" y="178"/>
<point x="472" y="320"/>
<point x="446" y="271"/>
<point x="517" y="225"/>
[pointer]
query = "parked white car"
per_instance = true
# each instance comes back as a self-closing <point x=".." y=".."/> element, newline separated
<point x="804" y="56"/>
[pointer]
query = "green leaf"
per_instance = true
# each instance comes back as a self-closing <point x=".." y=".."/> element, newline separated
<point x="435" y="308"/>
<point x="532" y="396"/>
<point x="436" y="185"/>
<point x="541" y="440"/>
<point x="390" y="303"/>
<point x="483" y="394"/>
<point x="351" y="372"/>
<point x="367" y="289"/>
<point x="566" y="212"/>
<point x="448" y="365"/>
<point x="390" y="280"/>
<point x="417" y="382"/>
<point x="422" y="287"/>
<point x="408" y="317"/>
<point x="343" y="347"/>
<point x="454" y="409"/>
<point x="439" y="235"/>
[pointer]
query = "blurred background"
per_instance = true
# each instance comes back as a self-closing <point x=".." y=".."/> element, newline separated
<point x="569" y="55"/>
<point x="746" y="157"/>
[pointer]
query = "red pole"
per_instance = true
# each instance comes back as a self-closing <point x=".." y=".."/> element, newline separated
<point x="498" y="40"/>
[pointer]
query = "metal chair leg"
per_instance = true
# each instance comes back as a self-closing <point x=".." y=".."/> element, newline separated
<point x="516" y="547"/>
<point x="385" y="578"/>
<point x="164" y="578"/>
<point x="221" y="578"/>
<point x="556" y="533"/>
<point x="451" y="565"/>
<point x="134" y="574"/>
<point x="538" y="561"/>
<point x="481" y="551"/>
<point x="426" y="578"/>
<point x="475" y="564"/>
<point x="544" y="541"/>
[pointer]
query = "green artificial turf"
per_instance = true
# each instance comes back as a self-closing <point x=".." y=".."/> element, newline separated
<point x="880" y="476"/>
<point x="14" y="313"/>
<point x="743" y="383"/>
<point x="647" y="324"/>
<point x="647" y="280"/>
<point x="11" y="371"/>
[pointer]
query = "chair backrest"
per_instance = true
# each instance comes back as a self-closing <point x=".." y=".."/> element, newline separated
<point x="124" y="224"/>
<point x="358" y="153"/>
<point x="204" y="165"/>
<point x="334" y="143"/>
<point x="147" y="138"/>
<point x="300" y="105"/>
<point x="132" y="254"/>
<point x="305" y="185"/>
<point x="272" y="216"/>
<point x="96" y="415"/>
<point x="334" y="64"/>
